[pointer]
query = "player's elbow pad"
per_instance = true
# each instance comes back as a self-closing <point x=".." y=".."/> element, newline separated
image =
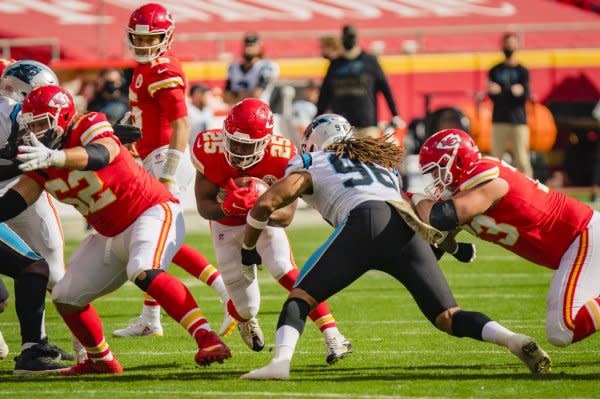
<point x="98" y="156"/>
<point x="12" y="203"/>
<point x="443" y="216"/>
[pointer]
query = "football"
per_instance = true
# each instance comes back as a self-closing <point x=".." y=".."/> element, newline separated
<point x="244" y="181"/>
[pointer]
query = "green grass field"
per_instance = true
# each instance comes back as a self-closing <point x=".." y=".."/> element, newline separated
<point x="397" y="353"/>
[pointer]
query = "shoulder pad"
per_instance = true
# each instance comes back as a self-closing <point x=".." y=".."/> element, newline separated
<point x="478" y="174"/>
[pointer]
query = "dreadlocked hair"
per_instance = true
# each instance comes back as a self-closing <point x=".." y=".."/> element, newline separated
<point x="381" y="151"/>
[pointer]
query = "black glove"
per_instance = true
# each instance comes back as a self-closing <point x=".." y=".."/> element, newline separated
<point x="127" y="133"/>
<point x="437" y="252"/>
<point x="465" y="252"/>
<point x="251" y="257"/>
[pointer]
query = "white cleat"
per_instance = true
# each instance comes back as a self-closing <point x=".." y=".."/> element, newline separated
<point x="534" y="357"/>
<point x="140" y="328"/>
<point x="229" y="324"/>
<point x="3" y="348"/>
<point x="276" y="370"/>
<point x="338" y="348"/>
<point x="252" y="334"/>
<point x="80" y="352"/>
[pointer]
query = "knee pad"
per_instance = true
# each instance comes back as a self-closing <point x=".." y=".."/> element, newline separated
<point x="150" y="275"/>
<point x="279" y="268"/>
<point x="245" y="297"/>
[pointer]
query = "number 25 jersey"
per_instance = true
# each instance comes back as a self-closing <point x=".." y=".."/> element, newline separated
<point x="530" y="220"/>
<point x="340" y="184"/>
<point x="110" y="198"/>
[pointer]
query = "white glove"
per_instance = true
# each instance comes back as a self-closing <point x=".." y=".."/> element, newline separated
<point x="38" y="156"/>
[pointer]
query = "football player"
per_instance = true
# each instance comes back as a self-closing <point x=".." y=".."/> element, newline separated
<point x="139" y="223"/>
<point x="350" y="181"/>
<point x="39" y="225"/>
<point x="157" y="96"/>
<point x="246" y="146"/>
<point x="492" y="200"/>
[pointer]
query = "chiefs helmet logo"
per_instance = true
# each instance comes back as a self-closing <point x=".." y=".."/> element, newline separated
<point x="449" y="142"/>
<point x="59" y="100"/>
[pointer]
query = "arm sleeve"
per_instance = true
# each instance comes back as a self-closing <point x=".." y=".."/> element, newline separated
<point x="172" y="103"/>
<point x="12" y="204"/>
<point x="325" y="93"/>
<point x="9" y="170"/>
<point x="383" y="86"/>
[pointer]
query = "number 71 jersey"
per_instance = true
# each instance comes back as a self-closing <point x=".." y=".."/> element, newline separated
<point x="530" y="220"/>
<point x="340" y="184"/>
<point x="110" y="198"/>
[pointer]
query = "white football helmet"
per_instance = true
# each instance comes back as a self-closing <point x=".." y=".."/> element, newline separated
<point x="325" y="130"/>
<point x="20" y="78"/>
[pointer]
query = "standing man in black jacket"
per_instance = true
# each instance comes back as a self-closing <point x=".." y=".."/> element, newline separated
<point x="508" y="88"/>
<point x="351" y="85"/>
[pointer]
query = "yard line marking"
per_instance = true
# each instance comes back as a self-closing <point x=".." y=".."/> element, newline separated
<point x="70" y="393"/>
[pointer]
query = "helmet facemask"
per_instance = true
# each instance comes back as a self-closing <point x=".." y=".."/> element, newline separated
<point x="243" y="152"/>
<point x="442" y="187"/>
<point x="45" y="127"/>
<point x="148" y="53"/>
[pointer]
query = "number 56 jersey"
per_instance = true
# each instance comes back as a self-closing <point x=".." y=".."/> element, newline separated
<point x="340" y="184"/>
<point x="110" y="198"/>
<point x="530" y="220"/>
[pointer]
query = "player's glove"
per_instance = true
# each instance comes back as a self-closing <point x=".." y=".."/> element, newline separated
<point x="127" y="133"/>
<point x="38" y="156"/>
<point x="466" y="252"/>
<point x="250" y="260"/>
<point x="239" y="200"/>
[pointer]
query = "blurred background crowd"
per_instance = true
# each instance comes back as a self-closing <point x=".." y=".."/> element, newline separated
<point x="521" y="76"/>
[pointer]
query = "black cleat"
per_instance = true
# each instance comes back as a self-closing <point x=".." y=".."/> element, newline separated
<point x="37" y="360"/>
<point x="56" y="352"/>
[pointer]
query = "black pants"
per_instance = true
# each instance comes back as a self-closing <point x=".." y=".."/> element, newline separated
<point x="375" y="237"/>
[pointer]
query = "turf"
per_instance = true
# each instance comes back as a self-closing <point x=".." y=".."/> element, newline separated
<point x="397" y="353"/>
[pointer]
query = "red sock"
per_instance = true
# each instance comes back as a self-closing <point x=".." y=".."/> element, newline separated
<point x="195" y="264"/>
<point x="233" y="311"/>
<point x="86" y="326"/>
<point x="321" y="315"/>
<point x="587" y="320"/>
<point x="178" y="302"/>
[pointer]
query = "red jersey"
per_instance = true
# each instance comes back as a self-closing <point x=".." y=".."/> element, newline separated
<point x="110" y="198"/>
<point x="209" y="159"/>
<point x="157" y="97"/>
<point x="530" y="220"/>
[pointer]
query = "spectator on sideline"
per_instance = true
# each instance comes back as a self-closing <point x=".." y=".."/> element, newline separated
<point x="111" y="98"/>
<point x="331" y="47"/>
<point x="304" y="109"/>
<point x="199" y="112"/>
<point x="253" y="76"/>
<point x="351" y="85"/>
<point x="508" y="88"/>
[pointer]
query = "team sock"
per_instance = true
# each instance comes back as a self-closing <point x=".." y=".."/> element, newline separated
<point x="198" y="266"/>
<point x="289" y="327"/>
<point x="86" y="326"/>
<point x="587" y="320"/>
<point x="496" y="333"/>
<point x="321" y="315"/>
<point x="469" y="324"/>
<point x="30" y="296"/>
<point x="178" y="302"/>
<point x="233" y="311"/>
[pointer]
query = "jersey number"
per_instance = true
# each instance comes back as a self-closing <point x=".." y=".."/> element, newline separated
<point x="212" y="143"/>
<point x="366" y="172"/>
<point x="487" y="225"/>
<point x="90" y="198"/>
<point x="280" y="147"/>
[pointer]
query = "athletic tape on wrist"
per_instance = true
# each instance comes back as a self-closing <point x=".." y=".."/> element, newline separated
<point x="171" y="163"/>
<point x="257" y="224"/>
<point x="247" y="248"/>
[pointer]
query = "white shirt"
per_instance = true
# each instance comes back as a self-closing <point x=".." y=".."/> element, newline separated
<point x="262" y="73"/>
<point x="9" y="110"/>
<point x="339" y="185"/>
<point x="303" y="112"/>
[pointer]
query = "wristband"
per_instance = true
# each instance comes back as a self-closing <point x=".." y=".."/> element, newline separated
<point x="257" y="224"/>
<point x="247" y="248"/>
<point x="171" y="163"/>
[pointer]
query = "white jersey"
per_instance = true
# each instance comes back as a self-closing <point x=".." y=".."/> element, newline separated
<point x="9" y="111"/>
<point x="262" y="74"/>
<point x="339" y="185"/>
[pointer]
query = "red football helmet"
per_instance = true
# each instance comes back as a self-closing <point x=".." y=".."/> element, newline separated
<point x="147" y="23"/>
<point x="248" y="129"/>
<point x="47" y="112"/>
<point x="447" y="155"/>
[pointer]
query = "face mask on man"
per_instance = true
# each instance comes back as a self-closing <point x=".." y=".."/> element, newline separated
<point x="508" y="52"/>
<point x="349" y="41"/>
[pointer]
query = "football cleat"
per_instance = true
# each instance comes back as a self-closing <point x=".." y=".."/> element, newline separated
<point x="277" y="369"/>
<point x="140" y="328"/>
<point x="38" y="359"/>
<point x="61" y="354"/>
<point x="89" y="367"/>
<point x="229" y="324"/>
<point x="210" y="348"/>
<point x="80" y="353"/>
<point x="534" y="357"/>
<point x="3" y="348"/>
<point x="337" y="348"/>
<point x="252" y="334"/>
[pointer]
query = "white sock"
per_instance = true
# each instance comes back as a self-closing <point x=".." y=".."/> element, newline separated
<point x="27" y="345"/>
<point x="496" y="333"/>
<point x="331" y="332"/>
<point x="219" y="286"/>
<point x="151" y="314"/>
<point x="286" y="338"/>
